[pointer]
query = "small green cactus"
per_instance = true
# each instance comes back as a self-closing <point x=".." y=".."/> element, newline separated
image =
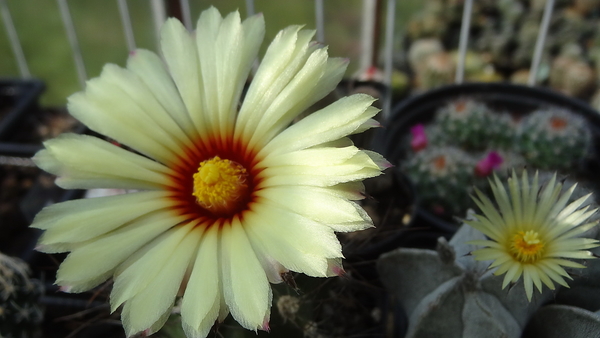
<point x="467" y="123"/>
<point x="442" y="176"/>
<point x="554" y="139"/>
<point x="20" y="313"/>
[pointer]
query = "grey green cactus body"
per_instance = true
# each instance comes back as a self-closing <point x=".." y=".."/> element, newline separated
<point x="554" y="139"/>
<point x="20" y="313"/>
<point x="443" y="176"/>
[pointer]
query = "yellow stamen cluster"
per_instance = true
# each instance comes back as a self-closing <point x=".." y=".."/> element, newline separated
<point x="526" y="247"/>
<point x="219" y="185"/>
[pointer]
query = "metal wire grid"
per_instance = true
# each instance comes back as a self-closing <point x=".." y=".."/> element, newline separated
<point x="367" y="39"/>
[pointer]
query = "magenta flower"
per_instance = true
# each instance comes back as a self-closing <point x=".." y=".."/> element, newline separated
<point x="486" y="166"/>
<point x="419" y="138"/>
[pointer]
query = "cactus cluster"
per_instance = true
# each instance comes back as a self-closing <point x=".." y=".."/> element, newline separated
<point x="503" y="35"/>
<point x="449" y="294"/>
<point x="468" y="141"/>
<point x="473" y="126"/>
<point x="553" y="139"/>
<point x="442" y="176"/>
<point x="20" y="313"/>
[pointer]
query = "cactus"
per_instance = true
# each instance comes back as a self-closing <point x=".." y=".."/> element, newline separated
<point x="421" y="49"/>
<point x="446" y="293"/>
<point x="571" y="76"/>
<point x="438" y="69"/>
<point x="443" y="176"/>
<point x="554" y="139"/>
<point x="472" y="125"/>
<point x="20" y="313"/>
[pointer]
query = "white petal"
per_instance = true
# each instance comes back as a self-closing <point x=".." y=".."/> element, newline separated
<point x="310" y="157"/>
<point x="298" y="243"/>
<point x="202" y="297"/>
<point x="111" y="112"/>
<point x="245" y="285"/>
<point x="92" y="262"/>
<point x="284" y="57"/>
<point x="181" y="57"/>
<point x="226" y="64"/>
<point x="140" y="96"/>
<point x="317" y="204"/>
<point x="148" y="306"/>
<point x="501" y="197"/>
<point x="358" y="167"/>
<point x="292" y="100"/>
<point x="84" y="162"/>
<point x="335" y="121"/>
<point x="84" y="219"/>
<point x="273" y="269"/>
<point x="146" y="264"/>
<point x="527" y="281"/>
<point x="152" y="71"/>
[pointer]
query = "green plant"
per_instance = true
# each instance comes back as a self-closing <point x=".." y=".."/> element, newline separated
<point x="20" y="313"/>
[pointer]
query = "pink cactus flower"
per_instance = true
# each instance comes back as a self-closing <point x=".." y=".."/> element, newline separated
<point x="419" y="138"/>
<point x="486" y="166"/>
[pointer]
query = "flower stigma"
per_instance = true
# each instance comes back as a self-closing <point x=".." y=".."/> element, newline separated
<point x="220" y="186"/>
<point x="526" y="247"/>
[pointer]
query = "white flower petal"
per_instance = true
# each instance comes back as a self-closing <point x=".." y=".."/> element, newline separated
<point x="202" y="297"/>
<point x="93" y="262"/>
<point x="335" y="121"/>
<point x="153" y="73"/>
<point x="527" y="281"/>
<point x="81" y="161"/>
<point x="503" y="201"/>
<point x="181" y="56"/>
<point x="84" y="219"/>
<point x="147" y="307"/>
<point x="225" y="66"/>
<point x="139" y="270"/>
<point x="273" y="269"/>
<point x="245" y="286"/>
<point x="292" y="100"/>
<point x="553" y="275"/>
<point x="298" y="243"/>
<point x="317" y="204"/>
<point x="358" y="167"/>
<point x="111" y="112"/>
<point x="140" y="102"/>
<point x="284" y="57"/>
<point x="310" y="157"/>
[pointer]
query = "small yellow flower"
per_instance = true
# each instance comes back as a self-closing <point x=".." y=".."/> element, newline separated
<point x="532" y="231"/>
<point x="231" y="195"/>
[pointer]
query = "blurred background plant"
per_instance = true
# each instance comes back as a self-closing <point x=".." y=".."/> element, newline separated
<point x="100" y="33"/>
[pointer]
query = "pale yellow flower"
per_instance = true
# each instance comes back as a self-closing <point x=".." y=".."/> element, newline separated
<point x="532" y="231"/>
<point x="232" y="195"/>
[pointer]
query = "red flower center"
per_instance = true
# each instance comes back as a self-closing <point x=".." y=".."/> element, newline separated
<point x="214" y="180"/>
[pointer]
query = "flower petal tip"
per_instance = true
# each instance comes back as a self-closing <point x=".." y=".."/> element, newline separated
<point x="265" y="326"/>
<point x="338" y="271"/>
<point x="65" y="288"/>
<point x="386" y="165"/>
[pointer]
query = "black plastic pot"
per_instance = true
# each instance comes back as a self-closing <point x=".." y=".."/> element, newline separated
<point x="24" y="189"/>
<point x="517" y="99"/>
<point x="17" y="98"/>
